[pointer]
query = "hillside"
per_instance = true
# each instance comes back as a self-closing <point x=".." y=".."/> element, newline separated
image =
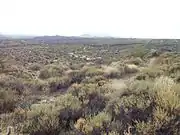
<point x="88" y="90"/>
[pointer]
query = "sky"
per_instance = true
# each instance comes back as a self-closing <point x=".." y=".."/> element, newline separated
<point x="121" y="18"/>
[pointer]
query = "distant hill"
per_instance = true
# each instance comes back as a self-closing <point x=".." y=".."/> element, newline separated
<point x="96" y="36"/>
<point x="15" y="36"/>
<point x="84" y="40"/>
<point x="3" y="37"/>
<point x="86" y="35"/>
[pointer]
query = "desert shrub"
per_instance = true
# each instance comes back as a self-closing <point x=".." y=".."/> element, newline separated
<point x="113" y="133"/>
<point x="68" y="101"/>
<point x="93" y="71"/>
<point x="99" y="123"/>
<point x="165" y="114"/>
<point x="53" y="118"/>
<point x="135" y="61"/>
<point x="113" y="87"/>
<point x="2" y="65"/>
<point x="130" y="108"/>
<point x="35" y="67"/>
<point x="24" y="75"/>
<point x="56" y="84"/>
<point x="42" y="119"/>
<point x="151" y="72"/>
<point x="4" y="79"/>
<point x="175" y="68"/>
<point x="130" y="104"/>
<point x="112" y="72"/>
<point x="76" y="76"/>
<point x="12" y="83"/>
<point x="81" y="126"/>
<point x="76" y="66"/>
<point x="8" y="101"/>
<point x="50" y="71"/>
<point x="130" y="68"/>
<point x="95" y="124"/>
<point x="70" y="110"/>
<point x="145" y="128"/>
<point x="91" y="98"/>
<point x="95" y="79"/>
<point x="44" y="74"/>
<point x="166" y="96"/>
<point x="141" y="86"/>
<point x="37" y="85"/>
<point x="96" y="103"/>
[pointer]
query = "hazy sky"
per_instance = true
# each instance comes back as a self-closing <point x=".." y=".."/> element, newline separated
<point x="124" y="18"/>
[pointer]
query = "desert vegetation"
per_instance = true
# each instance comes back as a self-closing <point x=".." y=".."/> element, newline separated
<point x="89" y="90"/>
